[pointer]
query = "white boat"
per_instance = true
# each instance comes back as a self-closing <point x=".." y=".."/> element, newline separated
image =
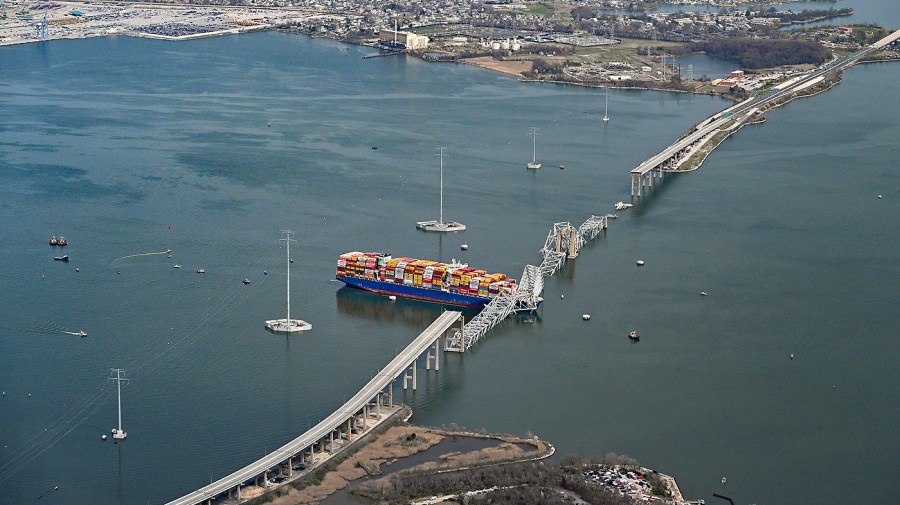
<point x="287" y="325"/>
<point x="176" y="266"/>
<point x="533" y="164"/>
<point x="440" y="225"/>
<point x="623" y="205"/>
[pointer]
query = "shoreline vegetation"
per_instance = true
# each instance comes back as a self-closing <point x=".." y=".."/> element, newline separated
<point x="506" y="472"/>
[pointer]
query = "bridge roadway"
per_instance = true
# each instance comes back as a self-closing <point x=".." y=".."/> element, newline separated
<point x="325" y="429"/>
<point x="742" y="111"/>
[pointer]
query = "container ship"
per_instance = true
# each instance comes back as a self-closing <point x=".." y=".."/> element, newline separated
<point x="430" y="281"/>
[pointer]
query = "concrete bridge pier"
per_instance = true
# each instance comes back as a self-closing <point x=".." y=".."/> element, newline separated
<point x="410" y="373"/>
<point x="429" y="357"/>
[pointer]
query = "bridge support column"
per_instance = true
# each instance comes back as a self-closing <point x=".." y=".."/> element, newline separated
<point x="350" y="429"/>
<point x="410" y="373"/>
<point x="437" y="359"/>
<point x="291" y="466"/>
<point x="365" y="416"/>
<point x="391" y="395"/>
<point x="573" y="243"/>
<point x="237" y="490"/>
<point x="331" y="442"/>
<point x="429" y="357"/>
<point x="378" y="405"/>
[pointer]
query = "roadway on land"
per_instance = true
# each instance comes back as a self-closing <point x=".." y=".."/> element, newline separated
<point x="759" y="102"/>
<point x="330" y="423"/>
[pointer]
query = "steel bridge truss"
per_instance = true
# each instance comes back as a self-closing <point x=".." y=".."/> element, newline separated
<point x="564" y="241"/>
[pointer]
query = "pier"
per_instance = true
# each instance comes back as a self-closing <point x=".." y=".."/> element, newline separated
<point x="371" y="405"/>
<point x="729" y="120"/>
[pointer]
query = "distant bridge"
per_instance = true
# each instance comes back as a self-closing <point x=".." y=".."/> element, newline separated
<point x="655" y="167"/>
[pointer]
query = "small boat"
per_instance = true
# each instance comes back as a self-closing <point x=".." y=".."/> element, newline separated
<point x="61" y="258"/>
<point x="62" y="241"/>
<point x="623" y="205"/>
<point x="53" y="240"/>
<point x="562" y="167"/>
<point x="633" y="335"/>
<point x="464" y="247"/>
<point x="201" y="271"/>
<point x="246" y="281"/>
<point x="176" y="266"/>
<point x="80" y="334"/>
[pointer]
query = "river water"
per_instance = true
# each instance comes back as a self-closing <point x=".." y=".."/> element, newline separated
<point x="131" y="146"/>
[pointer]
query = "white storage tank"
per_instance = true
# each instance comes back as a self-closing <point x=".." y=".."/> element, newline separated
<point x="515" y="46"/>
<point x="495" y="45"/>
<point x="505" y="45"/>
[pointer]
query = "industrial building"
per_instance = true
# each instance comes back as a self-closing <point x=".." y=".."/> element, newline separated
<point x="408" y="40"/>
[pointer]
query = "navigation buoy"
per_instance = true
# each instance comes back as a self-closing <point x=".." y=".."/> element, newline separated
<point x="103" y="437"/>
<point x="586" y="317"/>
<point x="269" y="124"/>
<point x="562" y="297"/>
<point x="640" y="263"/>
<point x="77" y="270"/>
<point x="792" y="355"/>
<point x="723" y="480"/>
<point x="265" y="272"/>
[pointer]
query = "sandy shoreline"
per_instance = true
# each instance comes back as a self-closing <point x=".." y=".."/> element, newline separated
<point x="514" y="68"/>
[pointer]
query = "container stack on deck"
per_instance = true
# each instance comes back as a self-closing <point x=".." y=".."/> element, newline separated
<point x="424" y="274"/>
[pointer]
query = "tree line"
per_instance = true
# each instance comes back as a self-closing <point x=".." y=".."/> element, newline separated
<point x="764" y="53"/>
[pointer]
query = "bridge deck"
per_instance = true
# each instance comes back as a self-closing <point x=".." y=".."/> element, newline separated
<point x="332" y="422"/>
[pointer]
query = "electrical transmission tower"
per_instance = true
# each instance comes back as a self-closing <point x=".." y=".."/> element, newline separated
<point x="115" y="374"/>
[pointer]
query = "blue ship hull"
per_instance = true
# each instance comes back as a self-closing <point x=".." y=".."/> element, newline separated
<point x="416" y="293"/>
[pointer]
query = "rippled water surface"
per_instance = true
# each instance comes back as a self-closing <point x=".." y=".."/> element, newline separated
<point x="130" y="146"/>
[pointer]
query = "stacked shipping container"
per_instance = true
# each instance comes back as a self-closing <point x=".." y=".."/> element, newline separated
<point x="425" y="274"/>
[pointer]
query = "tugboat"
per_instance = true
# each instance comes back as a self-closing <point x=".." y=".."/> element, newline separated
<point x="633" y="335"/>
<point x="62" y="241"/>
<point x="53" y="240"/>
